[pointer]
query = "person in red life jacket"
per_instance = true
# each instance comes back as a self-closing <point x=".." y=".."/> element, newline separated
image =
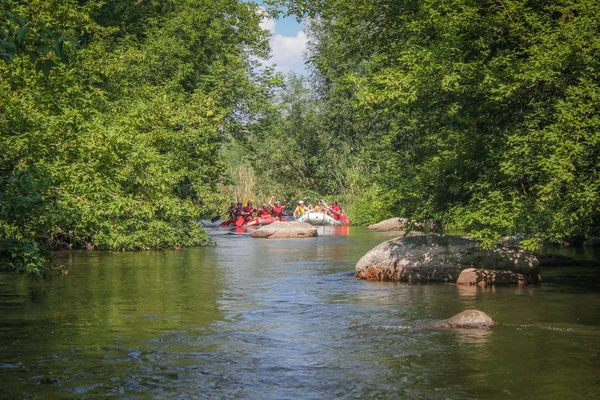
<point x="248" y="211"/>
<point x="263" y="211"/>
<point x="231" y="211"/>
<point x="276" y="208"/>
<point x="237" y="213"/>
<point x="335" y="210"/>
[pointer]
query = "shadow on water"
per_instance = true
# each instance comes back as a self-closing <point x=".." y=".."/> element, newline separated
<point x="275" y="319"/>
<point x="583" y="278"/>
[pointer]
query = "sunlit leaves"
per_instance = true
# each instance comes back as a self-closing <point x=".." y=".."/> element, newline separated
<point x="117" y="145"/>
<point x="489" y="108"/>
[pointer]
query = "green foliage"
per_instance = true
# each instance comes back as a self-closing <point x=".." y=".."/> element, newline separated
<point x="117" y="145"/>
<point x="483" y="115"/>
<point x="372" y="206"/>
<point x="531" y="244"/>
<point x="286" y="148"/>
<point x="21" y="257"/>
<point x="307" y="148"/>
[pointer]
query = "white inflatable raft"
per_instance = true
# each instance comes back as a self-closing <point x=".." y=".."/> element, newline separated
<point x="315" y="218"/>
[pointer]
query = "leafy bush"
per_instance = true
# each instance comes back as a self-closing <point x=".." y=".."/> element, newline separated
<point x="21" y="256"/>
<point x="371" y="206"/>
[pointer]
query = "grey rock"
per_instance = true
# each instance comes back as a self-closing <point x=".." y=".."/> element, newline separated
<point x="435" y="258"/>
<point x="398" y="224"/>
<point x="391" y="224"/>
<point x="285" y="230"/>
<point x="469" y="319"/>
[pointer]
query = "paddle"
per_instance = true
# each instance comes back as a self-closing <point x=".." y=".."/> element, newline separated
<point x="218" y="217"/>
<point x="342" y="218"/>
<point x="244" y="214"/>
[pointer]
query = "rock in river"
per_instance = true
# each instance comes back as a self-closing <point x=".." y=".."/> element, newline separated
<point x="392" y="224"/>
<point x="471" y="319"/>
<point x="404" y="224"/>
<point x="592" y="242"/>
<point x="435" y="258"/>
<point x="279" y="230"/>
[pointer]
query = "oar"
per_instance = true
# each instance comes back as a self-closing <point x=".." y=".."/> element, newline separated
<point x="342" y="218"/>
<point x="218" y="217"/>
<point x="240" y="221"/>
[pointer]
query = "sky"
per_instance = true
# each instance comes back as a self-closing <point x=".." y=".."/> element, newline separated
<point x="288" y="44"/>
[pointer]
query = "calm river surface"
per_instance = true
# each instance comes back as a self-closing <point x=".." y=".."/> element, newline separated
<point x="283" y="319"/>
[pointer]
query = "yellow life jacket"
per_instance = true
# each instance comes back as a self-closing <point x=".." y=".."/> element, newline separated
<point x="299" y="210"/>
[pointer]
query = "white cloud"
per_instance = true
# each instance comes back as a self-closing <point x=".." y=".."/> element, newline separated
<point x="287" y="51"/>
<point x="268" y="24"/>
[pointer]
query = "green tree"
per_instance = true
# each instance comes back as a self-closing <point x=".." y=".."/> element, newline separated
<point x="488" y="110"/>
<point x="117" y="146"/>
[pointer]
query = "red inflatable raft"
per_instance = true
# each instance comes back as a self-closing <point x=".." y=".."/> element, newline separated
<point x="252" y="222"/>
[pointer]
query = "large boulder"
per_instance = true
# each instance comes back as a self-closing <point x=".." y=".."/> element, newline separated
<point x="435" y="258"/>
<point x="469" y="319"/>
<point x="397" y="224"/>
<point x="285" y="230"/>
<point x="392" y="224"/>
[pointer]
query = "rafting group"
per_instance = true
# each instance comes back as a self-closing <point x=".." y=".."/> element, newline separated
<point x="321" y="214"/>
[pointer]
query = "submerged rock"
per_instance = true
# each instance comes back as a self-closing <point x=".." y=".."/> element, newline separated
<point x="435" y="258"/>
<point x="48" y="381"/>
<point x="592" y="242"/>
<point x="469" y="319"/>
<point x="558" y="260"/>
<point x="285" y="230"/>
<point x="134" y="355"/>
<point x="548" y="259"/>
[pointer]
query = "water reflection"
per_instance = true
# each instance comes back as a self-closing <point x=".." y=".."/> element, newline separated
<point x="469" y="290"/>
<point x="473" y="336"/>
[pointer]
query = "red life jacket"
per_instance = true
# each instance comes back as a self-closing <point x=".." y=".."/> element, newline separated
<point x="248" y="210"/>
<point x="336" y="212"/>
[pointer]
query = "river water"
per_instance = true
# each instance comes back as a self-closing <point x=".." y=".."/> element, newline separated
<point x="283" y="319"/>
